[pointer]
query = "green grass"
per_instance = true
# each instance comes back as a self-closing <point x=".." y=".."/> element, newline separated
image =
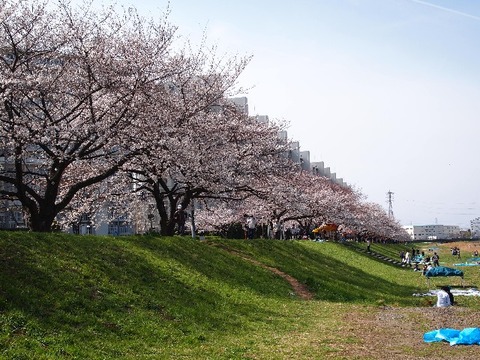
<point x="92" y="297"/>
<point x="333" y="271"/>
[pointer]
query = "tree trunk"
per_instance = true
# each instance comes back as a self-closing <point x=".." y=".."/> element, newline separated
<point x="167" y="225"/>
<point x="41" y="222"/>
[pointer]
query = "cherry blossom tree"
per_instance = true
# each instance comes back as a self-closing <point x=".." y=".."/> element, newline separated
<point x="288" y="197"/>
<point x="215" y="154"/>
<point x="307" y="200"/>
<point x="103" y="111"/>
<point x="373" y="221"/>
<point x="74" y="83"/>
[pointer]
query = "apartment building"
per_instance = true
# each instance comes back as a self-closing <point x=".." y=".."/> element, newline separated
<point x="475" y="228"/>
<point x="433" y="232"/>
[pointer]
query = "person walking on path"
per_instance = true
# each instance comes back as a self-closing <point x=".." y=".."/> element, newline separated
<point x="180" y="217"/>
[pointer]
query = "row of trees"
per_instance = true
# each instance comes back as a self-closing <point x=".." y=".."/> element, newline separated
<point x="105" y="109"/>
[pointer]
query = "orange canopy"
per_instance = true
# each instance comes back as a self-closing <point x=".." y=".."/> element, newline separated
<point x="326" y="227"/>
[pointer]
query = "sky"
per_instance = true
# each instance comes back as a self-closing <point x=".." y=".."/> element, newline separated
<point x="385" y="92"/>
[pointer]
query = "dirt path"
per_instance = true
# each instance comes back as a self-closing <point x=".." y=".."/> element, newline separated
<point x="298" y="288"/>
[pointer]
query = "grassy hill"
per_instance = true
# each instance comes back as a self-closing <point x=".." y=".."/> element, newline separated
<point x="92" y="297"/>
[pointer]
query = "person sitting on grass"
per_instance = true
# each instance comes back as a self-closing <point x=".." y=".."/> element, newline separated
<point x="443" y="299"/>
<point x="450" y="295"/>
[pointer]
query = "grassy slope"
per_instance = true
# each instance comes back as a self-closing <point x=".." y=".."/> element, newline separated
<point x="84" y="297"/>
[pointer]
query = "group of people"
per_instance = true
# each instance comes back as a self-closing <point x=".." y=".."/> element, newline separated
<point x="444" y="295"/>
<point x="414" y="256"/>
<point x="274" y="230"/>
<point x="455" y="251"/>
<point x="280" y="232"/>
<point x="417" y="258"/>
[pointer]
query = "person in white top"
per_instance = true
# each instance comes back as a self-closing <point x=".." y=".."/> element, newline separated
<point x="443" y="299"/>
<point x="251" y="226"/>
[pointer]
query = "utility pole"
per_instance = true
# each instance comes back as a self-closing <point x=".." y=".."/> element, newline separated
<point x="390" y="204"/>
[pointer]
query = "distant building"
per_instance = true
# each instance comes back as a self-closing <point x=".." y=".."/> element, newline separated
<point x="318" y="168"/>
<point x="433" y="232"/>
<point x="241" y="103"/>
<point x="305" y="160"/>
<point x="294" y="152"/>
<point x="262" y="119"/>
<point x="475" y="228"/>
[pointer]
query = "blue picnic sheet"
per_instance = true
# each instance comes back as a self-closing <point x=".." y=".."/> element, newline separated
<point x="467" y="336"/>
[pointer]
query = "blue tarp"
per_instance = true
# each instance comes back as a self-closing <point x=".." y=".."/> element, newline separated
<point x="474" y="261"/>
<point x="467" y="264"/>
<point x="467" y="336"/>
<point x="443" y="271"/>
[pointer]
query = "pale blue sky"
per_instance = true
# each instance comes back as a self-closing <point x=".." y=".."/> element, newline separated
<point x="385" y="92"/>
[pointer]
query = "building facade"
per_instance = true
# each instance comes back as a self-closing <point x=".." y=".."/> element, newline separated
<point x="433" y="232"/>
<point x="475" y="228"/>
